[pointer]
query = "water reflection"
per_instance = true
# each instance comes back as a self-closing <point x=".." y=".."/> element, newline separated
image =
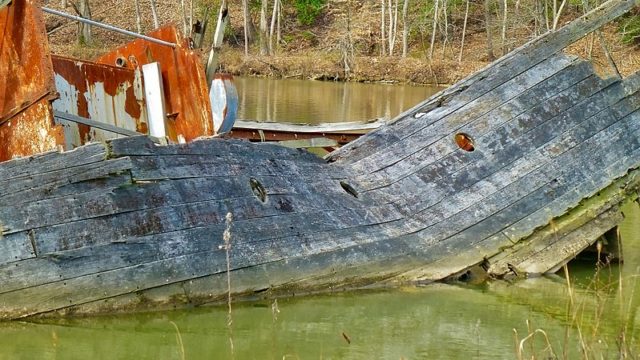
<point x="304" y="101"/>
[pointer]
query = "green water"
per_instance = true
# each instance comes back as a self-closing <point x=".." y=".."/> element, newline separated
<point x="440" y="321"/>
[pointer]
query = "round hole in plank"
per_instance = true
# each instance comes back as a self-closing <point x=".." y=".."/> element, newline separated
<point x="258" y="190"/>
<point x="349" y="189"/>
<point x="464" y="142"/>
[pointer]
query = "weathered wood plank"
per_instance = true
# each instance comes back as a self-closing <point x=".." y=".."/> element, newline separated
<point x="483" y="81"/>
<point x="16" y="247"/>
<point x="51" y="161"/>
<point x="187" y="166"/>
<point x="215" y="147"/>
<point x="442" y="181"/>
<point x="248" y="237"/>
<point x="509" y="131"/>
<point x="425" y="136"/>
<point x="64" y="175"/>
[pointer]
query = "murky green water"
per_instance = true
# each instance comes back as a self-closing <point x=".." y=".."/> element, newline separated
<point x="440" y="321"/>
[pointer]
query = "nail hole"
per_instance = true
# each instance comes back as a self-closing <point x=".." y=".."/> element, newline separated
<point x="258" y="190"/>
<point x="349" y="189"/>
<point x="464" y="142"/>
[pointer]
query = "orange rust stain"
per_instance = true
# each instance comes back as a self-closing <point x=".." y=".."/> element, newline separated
<point x="84" y="74"/>
<point x="464" y="142"/>
<point x="185" y="88"/>
<point x="26" y="85"/>
<point x="25" y="66"/>
<point x="30" y="132"/>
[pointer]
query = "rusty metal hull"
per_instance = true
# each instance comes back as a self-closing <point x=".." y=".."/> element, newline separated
<point x="185" y="87"/>
<point x="109" y="94"/>
<point x="27" y="83"/>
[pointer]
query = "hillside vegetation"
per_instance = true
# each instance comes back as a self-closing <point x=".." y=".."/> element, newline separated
<point x="444" y="40"/>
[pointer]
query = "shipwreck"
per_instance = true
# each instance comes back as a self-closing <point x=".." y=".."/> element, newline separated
<point x="512" y="171"/>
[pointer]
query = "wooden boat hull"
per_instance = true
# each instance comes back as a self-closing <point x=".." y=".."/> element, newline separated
<point x="513" y="171"/>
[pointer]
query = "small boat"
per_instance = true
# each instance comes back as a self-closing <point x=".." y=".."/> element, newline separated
<point x="511" y="172"/>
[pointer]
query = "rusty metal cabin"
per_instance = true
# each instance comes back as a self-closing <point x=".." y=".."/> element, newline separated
<point x="46" y="97"/>
<point x="511" y="172"/>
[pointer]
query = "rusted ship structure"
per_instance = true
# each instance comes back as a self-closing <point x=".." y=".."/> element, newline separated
<point x="514" y="170"/>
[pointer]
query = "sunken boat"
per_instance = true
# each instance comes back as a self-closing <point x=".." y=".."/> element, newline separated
<point x="514" y="170"/>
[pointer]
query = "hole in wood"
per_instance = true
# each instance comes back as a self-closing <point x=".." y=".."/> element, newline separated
<point x="349" y="189"/>
<point x="258" y="190"/>
<point x="464" y="142"/>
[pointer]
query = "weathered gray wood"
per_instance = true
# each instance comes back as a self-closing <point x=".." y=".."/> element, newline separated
<point x="427" y="135"/>
<point x="505" y="133"/>
<point x="552" y="142"/>
<point x="16" y="247"/>
<point x="51" y="161"/>
<point x="477" y="84"/>
<point x="64" y="175"/>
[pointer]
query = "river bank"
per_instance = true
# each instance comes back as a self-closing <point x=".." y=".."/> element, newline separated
<point x="317" y="51"/>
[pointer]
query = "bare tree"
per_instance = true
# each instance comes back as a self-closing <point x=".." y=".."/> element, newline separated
<point x="154" y="12"/>
<point x="556" y="14"/>
<point x="245" y="15"/>
<point x="382" y="27"/>
<point x="138" y="20"/>
<point x="464" y="31"/>
<point x="223" y="20"/>
<point x="503" y="36"/>
<point x="264" y="31"/>
<point x="435" y="27"/>
<point x="185" y="24"/>
<point x="405" y="28"/>
<point x="445" y="27"/>
<point x="84" y="30"/>
<point x="487" y="24"/>
<point x="393" y="25"/>
<point x="275" y="17"/>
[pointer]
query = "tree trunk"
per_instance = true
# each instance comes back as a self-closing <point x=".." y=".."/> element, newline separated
<point x="405" y="28"/>
<point x="218" y="36"/>
<point x="278" y="32"/>
<point x="445" y="27"/>
<point x="274" y="16"/>
<point x="154" y="12"/>
<point x="84" y="30"/>
<point x="556" y="16"/>
<point x="185" y="24"/>
<point x="487" y="24"/>
<point x="382" y="27"/>
<point x="505" y="47"/>
<point x="464" y="32"/>
<point x="138" y="20"/>
<point x="435" y="27"/>
<point x="264" y="31"/>
<point x="393" y="21"/>
<point x="245" y="16"/>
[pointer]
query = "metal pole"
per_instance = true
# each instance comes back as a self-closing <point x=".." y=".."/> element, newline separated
<point x="108" y="27"/>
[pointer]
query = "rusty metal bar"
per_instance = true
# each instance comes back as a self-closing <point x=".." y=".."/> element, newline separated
<point x="59" y="115"/>
<point x="108" y="27"/>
